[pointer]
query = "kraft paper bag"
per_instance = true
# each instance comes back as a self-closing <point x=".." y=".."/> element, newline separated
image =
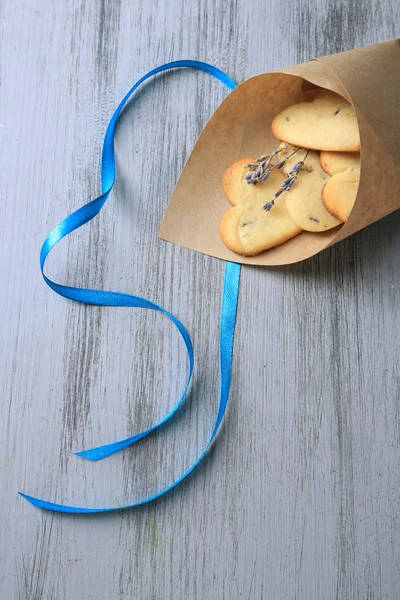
<point x="368" y="77"/>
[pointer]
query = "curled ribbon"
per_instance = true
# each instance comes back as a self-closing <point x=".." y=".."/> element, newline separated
<point x="109" y="298"/>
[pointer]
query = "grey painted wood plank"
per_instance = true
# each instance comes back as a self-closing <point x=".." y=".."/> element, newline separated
<point x="299" y="497"/>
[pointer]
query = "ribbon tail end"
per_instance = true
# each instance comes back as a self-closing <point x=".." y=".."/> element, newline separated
<point x="91" y="455"/>
<point x="34" y="501"/>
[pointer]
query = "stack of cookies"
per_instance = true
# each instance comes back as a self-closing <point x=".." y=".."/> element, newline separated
<point x="309" y="183"/>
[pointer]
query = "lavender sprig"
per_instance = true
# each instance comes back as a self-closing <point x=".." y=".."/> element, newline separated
<point x="288" y="183"/>
<point x="261" y="169"/>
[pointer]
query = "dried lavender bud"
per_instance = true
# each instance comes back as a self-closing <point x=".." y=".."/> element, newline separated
<point x="278" y="193"/>
<point x="297" y="167"/>
<point x="314" y="219"/>
<point x="337" y="112"/>
<point x="265" y="177"/>
<point x="268" y="205"/>
<point x="280" y="164"/>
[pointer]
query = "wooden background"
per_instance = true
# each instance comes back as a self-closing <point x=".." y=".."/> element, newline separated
<point x="299" y="497"/>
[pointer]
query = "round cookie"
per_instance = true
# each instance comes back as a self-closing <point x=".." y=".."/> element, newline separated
<point x="339" y="193"/>
<point x="337" y="162"/>
<point x="329" y="122"/>
<point x="237" y="190"/>
<point x="248" y="229"/>
<point x="303" y="200"/>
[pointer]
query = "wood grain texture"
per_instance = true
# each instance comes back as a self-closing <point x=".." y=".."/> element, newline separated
<point x="299" y="497"/>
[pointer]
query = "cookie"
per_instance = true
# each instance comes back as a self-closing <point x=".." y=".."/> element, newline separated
<point x="339" y="193"/>
<point x="303" y="200"/>
<point x="329" y="122"/>
<point x="238" y="191"/>
<point x="337" y="162"/>
<point x="248" y="229"/>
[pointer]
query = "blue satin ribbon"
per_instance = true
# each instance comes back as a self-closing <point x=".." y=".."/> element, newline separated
<point x="109" y="298"/>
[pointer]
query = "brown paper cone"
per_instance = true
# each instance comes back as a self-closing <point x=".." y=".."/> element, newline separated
<point x="368" y="77"/>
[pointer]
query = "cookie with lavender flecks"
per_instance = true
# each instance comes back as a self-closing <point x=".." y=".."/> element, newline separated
<point x="303" y="199"/>
<point x="339" y="193"/>
<point x="328" y="122"/>
<point x="337" y="162"/>
<point x="249" y="228"/>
